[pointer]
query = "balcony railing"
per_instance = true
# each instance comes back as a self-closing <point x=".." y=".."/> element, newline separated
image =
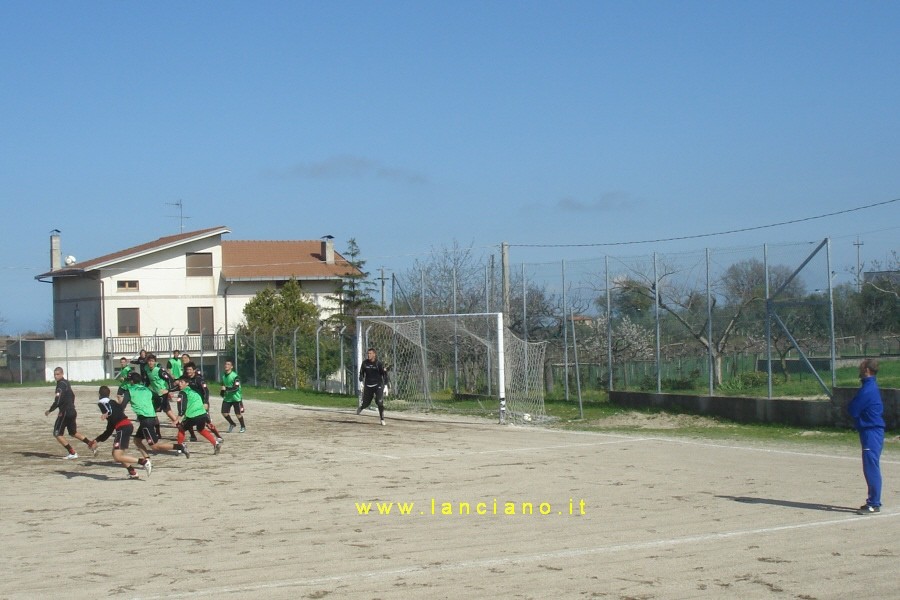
<point x="165" y="344"/>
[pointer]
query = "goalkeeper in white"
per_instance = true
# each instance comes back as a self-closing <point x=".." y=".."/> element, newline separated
<point x="374" y="378"/>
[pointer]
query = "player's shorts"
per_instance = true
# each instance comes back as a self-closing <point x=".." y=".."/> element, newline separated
<point x="198" y="423"/>
<point x="65" y="421"/>
<point x="147" y="430"/>
<point x="161" y="403"/>
<point x="121" y="437"/>
<point x="238" y="407"/>
<point x="375" y="392"/>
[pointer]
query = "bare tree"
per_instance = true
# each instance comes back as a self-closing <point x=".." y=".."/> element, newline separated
<point x="741" y="288"/>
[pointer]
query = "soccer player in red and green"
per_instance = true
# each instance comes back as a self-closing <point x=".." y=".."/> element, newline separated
<point x="160" y="388"/>
<point x="124" y="370"/>
<point x="175" y="364"/>
<point x="119" y="426"/>
<point x="194" y="414"/>
<point x="231" y="397"/>
<point x="141" y="399"/>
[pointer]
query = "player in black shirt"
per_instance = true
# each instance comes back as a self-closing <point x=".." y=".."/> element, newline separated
<point x="374" y="378"/>
<point x="65" y="420"/>
<point x="120" y="426"/>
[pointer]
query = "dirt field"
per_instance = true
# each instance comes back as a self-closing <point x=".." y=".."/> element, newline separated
<point x="275" y="515"/>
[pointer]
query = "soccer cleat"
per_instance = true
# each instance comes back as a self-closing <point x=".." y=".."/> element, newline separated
<point x="134" y="476"/>
<point x="72" y="456"/>
<point x="243" y="430"/>
<point x="148" y="467"/>
<point x="230" y="428"/>
<point x="359" y="409"/>
<point x="867" y="509"/>
<point x="184" y="450"/>
<point x="382" y="421"/>
<point x="217" y="448"/>
<point x="95" y="447"/>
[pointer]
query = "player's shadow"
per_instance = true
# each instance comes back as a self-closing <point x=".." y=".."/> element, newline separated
<point x="347" y="421"/>
<point x="74" y="474"/>
<point x="39" y="455"/>
<point x="790" y="504"/>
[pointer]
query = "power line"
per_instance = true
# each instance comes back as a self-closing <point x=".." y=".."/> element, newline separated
<point x="703" y="235"/>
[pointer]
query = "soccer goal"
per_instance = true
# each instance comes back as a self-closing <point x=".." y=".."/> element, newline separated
<point x="457" y="362"/>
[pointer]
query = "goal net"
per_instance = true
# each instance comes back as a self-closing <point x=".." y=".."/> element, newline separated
<point x="458" y="362"/>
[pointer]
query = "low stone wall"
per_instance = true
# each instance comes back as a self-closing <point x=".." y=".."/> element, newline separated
<point x="785" y="411"/>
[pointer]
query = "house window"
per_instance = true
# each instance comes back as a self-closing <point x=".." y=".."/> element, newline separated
<point x="199" y="264"/>
<point x="200" y="320"/>
<point x="127" y="286"/>
<point x="129" y="321"/>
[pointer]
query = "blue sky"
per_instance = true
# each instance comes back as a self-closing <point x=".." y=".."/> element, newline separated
<point x="412" y="125"/>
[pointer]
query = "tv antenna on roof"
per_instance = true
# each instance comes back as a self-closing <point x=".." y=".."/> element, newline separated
<point x="181" y="216"/>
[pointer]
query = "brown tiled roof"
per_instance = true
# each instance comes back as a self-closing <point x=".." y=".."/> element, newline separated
<point x="264" y="260"/>
<point x="106" y="260"/>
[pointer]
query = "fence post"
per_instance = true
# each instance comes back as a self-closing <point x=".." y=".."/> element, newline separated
<point x="318" y="375"/>
<point x="658" y="332"/>
<point x="565" y="318"/>
<point x="295" y="356"/>
<point x="709" y="329"/>
<point x="274" y="361"/>
<point x="341" y="343"/>
<point x="218" y="354"/>
<point x="609" y="352"/>
<point x="21" y="358"/>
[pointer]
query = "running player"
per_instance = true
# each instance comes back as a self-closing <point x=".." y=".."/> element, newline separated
<point x="231" y="397"/>
<point x="141" y="362"/>
<point x="141" y="399"/>
<point x="65" y="420"/>
<point x="159" y="384"/>
<point x="119" y="424"/>
<point x="190" y="407"/>
<point x="124" y="370"/>
<point x="374" y="378"/>
<point x="198" y="384"/>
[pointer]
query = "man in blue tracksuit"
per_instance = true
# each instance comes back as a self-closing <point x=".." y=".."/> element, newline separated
<point x="867" y="411"/>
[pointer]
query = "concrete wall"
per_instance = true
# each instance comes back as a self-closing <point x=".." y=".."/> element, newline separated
<point x="800" y="413"/>
<point x="82" y="360"/>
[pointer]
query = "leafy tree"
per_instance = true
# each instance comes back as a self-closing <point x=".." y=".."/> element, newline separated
<point x="271" y="318"/>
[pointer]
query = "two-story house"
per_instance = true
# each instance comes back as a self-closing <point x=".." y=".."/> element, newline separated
<point x="180" y="287"/>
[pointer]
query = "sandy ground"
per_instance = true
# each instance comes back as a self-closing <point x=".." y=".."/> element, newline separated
<point x="275" y="514"/>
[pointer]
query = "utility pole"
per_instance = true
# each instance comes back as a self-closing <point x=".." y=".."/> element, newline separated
<point x="382" y="279"/>
<point x="858" y="243"/>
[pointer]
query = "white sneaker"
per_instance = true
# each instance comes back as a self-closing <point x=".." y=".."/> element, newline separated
<point x="382" y="421"/>
<point x="217" y="448"/>
<point x="72" y="456"/>
<point x="148" y="467"/>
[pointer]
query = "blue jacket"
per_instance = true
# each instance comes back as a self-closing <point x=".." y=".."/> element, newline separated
<point x="866" y="407"/>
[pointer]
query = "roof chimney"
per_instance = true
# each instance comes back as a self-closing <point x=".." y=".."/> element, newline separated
<point x="327" y="252"/>
<point x="55" y="254"/>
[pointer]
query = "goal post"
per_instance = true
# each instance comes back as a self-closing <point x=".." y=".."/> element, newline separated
<point x="459" y="362"/>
